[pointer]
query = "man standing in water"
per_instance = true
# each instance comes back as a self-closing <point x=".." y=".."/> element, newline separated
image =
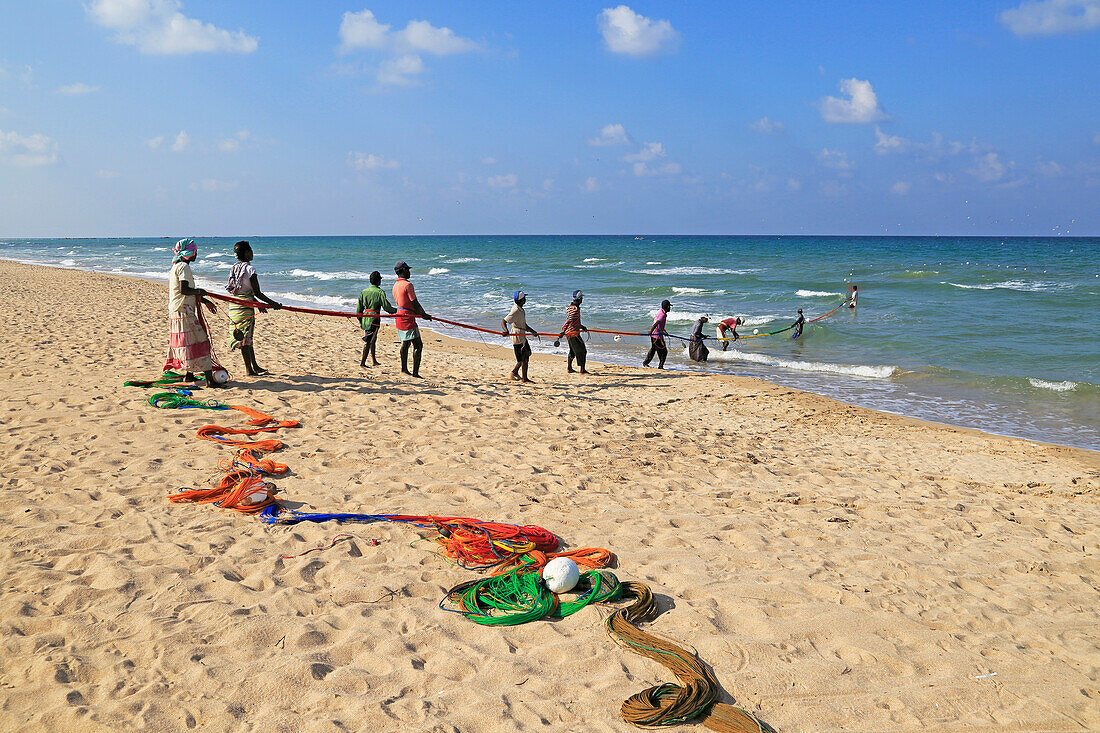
<point x="657" y="346"/>
<point x="373" y="301"/>
<point x="573" y="329"/>
<point x="517" y="319"/>
<point x="408" y="307"/>
<point x="799" y="323"/>
<point x="853" y="293"/>
<point x="697" y="350"/>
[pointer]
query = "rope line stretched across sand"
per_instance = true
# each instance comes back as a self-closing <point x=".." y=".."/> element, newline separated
<point x="513" y="594"/>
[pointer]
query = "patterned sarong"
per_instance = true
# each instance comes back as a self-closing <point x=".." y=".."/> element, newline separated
<point x="244" y="324"/>
<point x="188" y="342"/>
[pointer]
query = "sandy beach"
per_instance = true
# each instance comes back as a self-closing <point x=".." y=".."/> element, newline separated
<point x="839" y="568"/>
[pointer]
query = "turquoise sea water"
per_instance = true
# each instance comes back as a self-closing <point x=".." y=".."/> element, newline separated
<point x="996" y="334"/>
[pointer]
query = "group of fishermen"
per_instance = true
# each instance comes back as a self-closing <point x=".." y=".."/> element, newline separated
<point x="190" y="351"/>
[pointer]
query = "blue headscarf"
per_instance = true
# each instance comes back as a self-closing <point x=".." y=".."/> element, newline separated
<point x="184" y="249"/>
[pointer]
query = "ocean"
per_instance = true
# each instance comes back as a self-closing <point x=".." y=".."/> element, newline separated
<point x="991" y="333"/>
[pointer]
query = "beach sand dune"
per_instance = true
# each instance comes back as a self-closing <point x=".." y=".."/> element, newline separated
<point x="838" y="568"/>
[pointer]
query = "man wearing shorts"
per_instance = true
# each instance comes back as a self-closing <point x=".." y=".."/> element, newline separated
<point x="372" y="301"/>
<point x="408" y="307"/>
<point x="517" y="319"/>
<point x="727" y="329"/>
<point x="573" y="330"/>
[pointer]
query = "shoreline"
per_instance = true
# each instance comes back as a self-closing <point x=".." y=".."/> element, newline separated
<point x="672" y="369"/>
<point x="836" y="567"/>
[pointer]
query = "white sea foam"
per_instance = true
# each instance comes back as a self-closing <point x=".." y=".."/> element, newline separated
<point x="1019" y="285"/>
<point x="338" y="275"/>
<point x="1066" y="386"/>
<point x="851" y="370"/>
<point x="697" y="291"/>
<point x="594" y="259"/>
<point x="67" y="263"/>
<point x="318" y="299"/>
<point x="655" y="263"/>
<point x="462" y="260"/>
<point x="438" y="271"/>
<point x="212" y="255"/>
<point x="815" y="294"/>
<point x="681" y="316"/>
<point x="693" y="271"/>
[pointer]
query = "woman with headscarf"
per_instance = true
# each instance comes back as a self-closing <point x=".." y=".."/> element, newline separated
<point x="244" y="284"/>
<point x="189" y="347"/>
<point x="657" y="345"/>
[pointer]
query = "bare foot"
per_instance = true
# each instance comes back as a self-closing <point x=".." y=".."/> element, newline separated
<point x="259" y="371"/>
<point x="529" y="381"/>
<point x="583" y="371"/>
<point x="377" y="363"/>
<point x="514" y="376"/>
<point x="570" y="370"/>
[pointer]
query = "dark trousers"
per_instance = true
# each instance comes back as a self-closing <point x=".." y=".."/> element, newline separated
<point x="657" y="348"/>
<point x="578" y="351"/>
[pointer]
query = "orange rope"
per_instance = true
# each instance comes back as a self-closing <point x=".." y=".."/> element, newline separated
<point x="585" y="557"/>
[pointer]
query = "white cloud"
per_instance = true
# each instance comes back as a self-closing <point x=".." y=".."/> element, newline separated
<point x="181" y="142"/>
<point x="768" y="126"/>
<point x="24" y="75"/>
<point x="363" y="31"/>
<point x="888" y="143"/>
<point x="1052" y="17"/>
<point x="1049" y="168"/>
<point x="213" y="185"/>
<point x="834" y="189"/>
<point x="861" y="105"/>
<point x="77" y="89"/>
<point x="371" y="162"/>
<point x="106" y="174"/>
<point x="590" y="185"/>
<point x="614" y="134"/>
<point x="901" y="188"/>
<point x="158" y="27"/>
<point x="793" y="184"/>
<point x="988" y="168"/>
<point x="233" y="144"/>
<point x="548" y="184"/>
<point x="627" y="32"/>
<point x="154" y="142"/>
<point x="488" y="160"/>
<point x="28" y="151"/>
<point x="504" y="181"/>
<point x="649" y="152"/>
<point x="401" y="71"/>
<point x="836" y="160"/>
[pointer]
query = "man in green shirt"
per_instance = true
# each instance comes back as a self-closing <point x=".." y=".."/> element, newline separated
<point x="372" y="300"/>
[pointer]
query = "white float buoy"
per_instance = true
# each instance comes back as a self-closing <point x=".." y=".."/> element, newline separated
<point x="561" y="574"/>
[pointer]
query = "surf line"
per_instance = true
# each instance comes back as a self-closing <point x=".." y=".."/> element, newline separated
<point x="515" y="592"/>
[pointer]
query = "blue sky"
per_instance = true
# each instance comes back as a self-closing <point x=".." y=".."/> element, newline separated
<point x="158" y="117"/>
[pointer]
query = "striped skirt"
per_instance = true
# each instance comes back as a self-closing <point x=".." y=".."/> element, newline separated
<point x="244" y="324"/>
<point x="188" y="342"/>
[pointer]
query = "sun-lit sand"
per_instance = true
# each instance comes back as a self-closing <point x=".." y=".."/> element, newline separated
<point x="840" y="569"/>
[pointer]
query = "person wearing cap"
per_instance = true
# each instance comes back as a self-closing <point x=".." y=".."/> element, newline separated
<point x="408" y="307"/>
<point x="728" y="326"/>
<point x="517" y="319"/>
<point x="372" y="301"/>
<point x="799" y="323"/>
<point x="573" y="329"/>
<point x="697" y="350"/>
<point x="657" y="346"/>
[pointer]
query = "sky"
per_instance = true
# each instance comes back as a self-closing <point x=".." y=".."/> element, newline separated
<point x="278" y="117"/>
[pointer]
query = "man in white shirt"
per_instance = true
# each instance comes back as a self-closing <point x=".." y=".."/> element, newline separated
<point x="517" y="319"/>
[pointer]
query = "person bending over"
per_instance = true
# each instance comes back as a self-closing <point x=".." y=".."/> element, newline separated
<point x="697" y="350"/>
<point x="372" y="300"/>
<point x="408" y="307"/>
<point x="657" y="346"/>
<point x="727" y="329"/>
<point x="189" y="347"/>
<point x="245" y="284"/>
<point x="517" y="319"/>
<point x="573" y="330"/>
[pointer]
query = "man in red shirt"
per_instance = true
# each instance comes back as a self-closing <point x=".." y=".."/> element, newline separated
<point x="572" y="330"/>
<point x="404" y="297"/>
<point x="727" y="329"/>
